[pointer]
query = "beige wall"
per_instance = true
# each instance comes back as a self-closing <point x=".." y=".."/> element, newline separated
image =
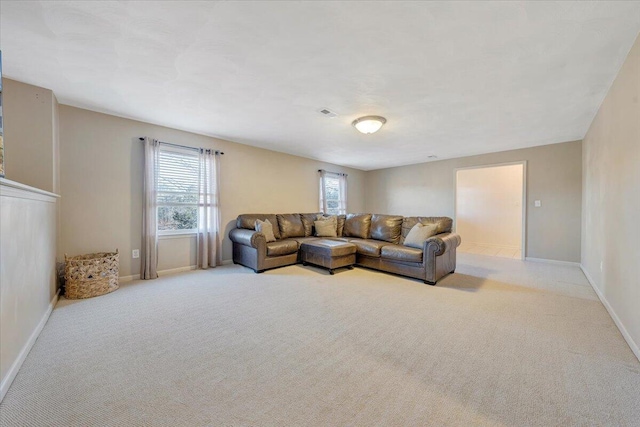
<point x="101" y="185"/>
<point x="29" y="135"/>
<point x="489" y="205"/>
<point x="611" y="201"/>
<point x="553" y="177"/>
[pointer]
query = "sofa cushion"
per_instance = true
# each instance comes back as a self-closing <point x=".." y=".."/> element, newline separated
<point x="419" y="234"/>
<point x="307" y="221"/>
<point x="386" y="227"/>
<point x="301" y="240"/>
<point x="265" y="227"/>
<point x="282" y="247"/>
<point x="357" y="225"/>
<point x="290" y="225"/>
<point x="248" y="221"/>
<point x="341" y="220"/>
<point x="443" y="223"/>
<point x="401" y="253"/>
<point x="368" y="247"/>
<point x="326" y="226"/>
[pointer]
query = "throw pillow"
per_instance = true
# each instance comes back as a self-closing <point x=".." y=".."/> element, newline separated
<point x="266" y="228"/>
<point x="419" y="234"/>
<point x="326" y="226"/>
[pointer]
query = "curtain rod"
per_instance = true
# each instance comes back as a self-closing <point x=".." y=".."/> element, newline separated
<point x="335" y="173"/>
<point x="182" y="146"/>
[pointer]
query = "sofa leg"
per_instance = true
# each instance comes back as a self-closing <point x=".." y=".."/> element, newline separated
<point x="259" y="271"/>
<point x="331" y="272"/>
<point x="427" y="282"/>
<point x="452" y="271"/>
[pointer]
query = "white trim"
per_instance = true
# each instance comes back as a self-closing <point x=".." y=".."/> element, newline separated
<point x="10" y="188"/>
<point x="187" y="235"/>
<point x="124" y="279"/>
<point x="634" y="347"/>
<point x="553" y="261"/>
<point x="177" y="270"/>
<point x="523" y="243"/>
<point x="491" y="245"/>
<point x="17" y="364"/>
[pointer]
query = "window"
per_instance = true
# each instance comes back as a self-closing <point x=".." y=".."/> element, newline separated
<point x="333" y="193"/>
<point x="177" y="191"/>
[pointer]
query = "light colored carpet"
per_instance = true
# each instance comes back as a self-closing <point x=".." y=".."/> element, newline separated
<point x="500" y="343"/>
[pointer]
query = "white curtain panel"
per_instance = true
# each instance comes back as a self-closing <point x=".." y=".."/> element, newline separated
<point x="149" y="248"/>
<point x="209" y="250"/>
<point x="323" y="194"/>
<point x="343" y="193"/>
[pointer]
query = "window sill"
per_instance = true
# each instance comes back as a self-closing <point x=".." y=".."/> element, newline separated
<point x="179" y="235"/>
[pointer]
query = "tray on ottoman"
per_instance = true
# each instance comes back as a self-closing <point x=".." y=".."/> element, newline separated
<point x="330" y="254"/>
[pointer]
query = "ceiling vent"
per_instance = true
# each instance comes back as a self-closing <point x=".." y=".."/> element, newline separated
<point x="328" y="113"/>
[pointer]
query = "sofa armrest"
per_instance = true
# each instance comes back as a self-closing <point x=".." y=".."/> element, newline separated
<point x="246" y="237"/>
<point x="441" y="243"/>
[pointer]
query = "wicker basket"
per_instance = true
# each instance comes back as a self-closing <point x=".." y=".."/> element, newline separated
<point x="91" y="275"/>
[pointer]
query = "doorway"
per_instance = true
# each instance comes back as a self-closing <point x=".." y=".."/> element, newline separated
<point x="490" y="209"/>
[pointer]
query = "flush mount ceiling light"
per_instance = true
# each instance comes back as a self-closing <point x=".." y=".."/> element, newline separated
<point x="369" y="124"/>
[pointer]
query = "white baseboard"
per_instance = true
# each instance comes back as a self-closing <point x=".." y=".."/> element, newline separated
<point x="15" y="367"/>
<point x="553" y="261"/>
<point x="124" y="279"/>
<point x="634" y="347"/>
<point x="491" y="246"/>
<point x="177" y="270"/>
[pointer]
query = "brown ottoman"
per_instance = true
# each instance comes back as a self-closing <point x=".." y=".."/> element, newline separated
<point x="330" y="254"/>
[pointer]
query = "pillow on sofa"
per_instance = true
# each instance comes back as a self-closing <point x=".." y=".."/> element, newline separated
<point x="326" y="226"/>
<point x="265" y="227"/>
<point x="419" y="234"/>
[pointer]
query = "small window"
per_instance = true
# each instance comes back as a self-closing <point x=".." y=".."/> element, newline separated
<point x="334" y="193"/>
<point x="177" y="191"/>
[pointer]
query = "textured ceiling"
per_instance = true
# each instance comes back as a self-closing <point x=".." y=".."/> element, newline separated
<point x="452" y="78"/>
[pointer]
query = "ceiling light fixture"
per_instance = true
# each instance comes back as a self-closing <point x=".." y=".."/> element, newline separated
<point x="369" y="124"/>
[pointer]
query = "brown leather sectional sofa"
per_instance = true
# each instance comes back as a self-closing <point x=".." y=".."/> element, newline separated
<point x="378" y="240"/>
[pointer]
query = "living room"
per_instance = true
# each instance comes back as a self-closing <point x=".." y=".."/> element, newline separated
<point x="551" y="338"/>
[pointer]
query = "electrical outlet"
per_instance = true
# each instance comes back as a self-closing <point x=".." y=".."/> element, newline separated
<point x="537" y="203"/>
<point x="135" y="253"/>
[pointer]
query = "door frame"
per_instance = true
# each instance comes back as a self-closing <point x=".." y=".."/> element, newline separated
<point x="524" y="198"/>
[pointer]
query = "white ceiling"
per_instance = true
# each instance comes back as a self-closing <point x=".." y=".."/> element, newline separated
<point x="452" y="78"/>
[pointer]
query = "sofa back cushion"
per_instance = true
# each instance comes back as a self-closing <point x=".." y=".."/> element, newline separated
<point x="357" y="225"/>
<point x="387" y="228"/>
<point x="248" y="222"/>
<point x="443" y="224"/>
<point x="290" y="225"/>
<point x="307" y="222"/>
<point x="341" y="221"/>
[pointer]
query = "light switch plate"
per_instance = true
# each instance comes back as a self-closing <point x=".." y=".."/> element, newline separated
<point x="135" y="253"/>
<point x="537" y="203"/>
